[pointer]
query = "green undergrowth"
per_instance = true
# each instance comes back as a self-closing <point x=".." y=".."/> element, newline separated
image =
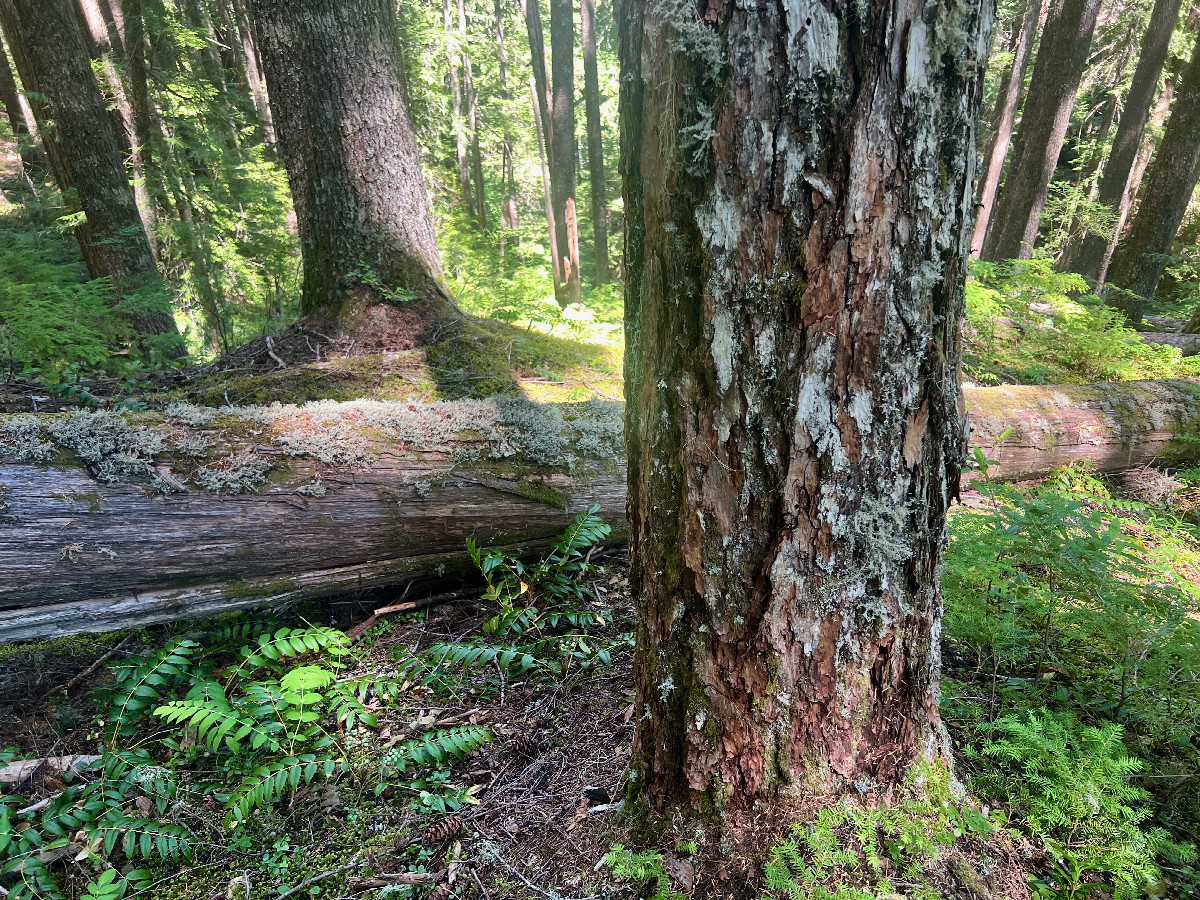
<point x="1071" y="642"/>
<point x="1028" y="324"/>
<point x="51" y="315"/>
<point x="853" y="851"/>
<point x="283" y="750"/>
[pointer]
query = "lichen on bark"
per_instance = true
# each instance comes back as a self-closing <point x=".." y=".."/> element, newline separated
<point x="794" y="423"/>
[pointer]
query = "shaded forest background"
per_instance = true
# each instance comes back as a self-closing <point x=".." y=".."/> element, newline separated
<point x="1079" y="151"/>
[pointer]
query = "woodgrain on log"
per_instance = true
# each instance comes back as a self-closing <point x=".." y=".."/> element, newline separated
<point x="401" y="497"/>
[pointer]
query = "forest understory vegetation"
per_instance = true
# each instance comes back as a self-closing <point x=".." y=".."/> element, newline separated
<point x="477" y="748"/>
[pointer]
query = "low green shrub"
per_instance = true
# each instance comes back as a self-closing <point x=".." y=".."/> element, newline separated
<point x="1071" y="642"/>
<point x="1028" y="324"/>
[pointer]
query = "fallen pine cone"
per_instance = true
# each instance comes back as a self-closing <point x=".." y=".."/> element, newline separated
<point x="443" y="830"/>
<point x="526" y="744"/>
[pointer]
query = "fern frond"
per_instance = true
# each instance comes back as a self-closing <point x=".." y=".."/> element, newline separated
<point x="438" y="747"/>
<point x="268" y="782"/>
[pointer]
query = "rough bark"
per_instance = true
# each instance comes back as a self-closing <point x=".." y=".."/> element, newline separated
<point x="595" y="142"/>
<point x="333" y="72"/>
<point x="406" y="511"/>
<point x="1061" y="58"/>
<point x="33" y="158"/>
<point x="1089" y="258"/>
<point x="86" y="162"/>
<point x="567" y="288"/>
<point x="1004" y="116"/>
<point x="1141" y="256"/>
<point x="798" y="192"/>
<point x="539" y="129"/>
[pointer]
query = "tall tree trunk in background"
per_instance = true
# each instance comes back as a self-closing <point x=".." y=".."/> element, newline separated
<point x="532" y="13"/>
<point x="798" y="193"/>
<point x="334" y="78"/>
<point x="139" y="95"/>
<point x="33" y="158"/>
<point x="1061" y="58"/>
<point x="481" y="213"/>
<point x="539" y="130"/>
<point x="1139" y="260"/>
<point x="1004" y="115"/>
<point x="1089" y="258"/>
<point x="1157" y="118"/>
<point x="508" y="178"/>
<point x="85" y="158"/>
<point x="258" y="93"/>
<point x="105" y="48"/>
<point x="567" y="288"/>
<point x="456" y="109"/>
<point x="595" y="142"/>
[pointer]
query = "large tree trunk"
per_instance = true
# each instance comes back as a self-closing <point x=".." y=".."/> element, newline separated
<point x="86" y="160"/>
<point x="401" y="514"/>
<point x="1140" y="258"/>
<point x="595" y="142"/>
<point x="798" y="196"/>
<point x="567" y="288"/>
<point x="333" y="72"/>
<point x="33" y="158"/>
<point x="1004" y="115"/>
<point x="1061" y="58"/>
<point x="1088" y="259"/>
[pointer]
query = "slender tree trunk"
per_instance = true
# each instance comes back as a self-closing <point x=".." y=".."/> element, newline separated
<point x="1061" y="58"/>
<point x="1004" y="116"/>
<point x="105" y="48"/>
<point x="1089" y="259"/>
<point x="539" y="128"/>
<point x="85" y="158"/>
<point x="481" y="213"/>
<point x="33" y="158"/>
<point x="595" y="142"/>
<point x="258" y="92"/>
<point x="568" y="289"/>
<point x="797" y="186"/>
<point x="1140" y="257"/>
<point x="532" y="13"/>
<point x="456" y="109"/>
<point x="508" y="180"/>
<point x="333" y="72"/>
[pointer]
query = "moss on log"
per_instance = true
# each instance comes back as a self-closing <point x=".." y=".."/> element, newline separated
<point x="112" y="520"/>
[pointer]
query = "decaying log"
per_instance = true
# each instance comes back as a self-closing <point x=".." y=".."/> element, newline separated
<point x="110" y="522"/>
<point x="1112" y="426"/>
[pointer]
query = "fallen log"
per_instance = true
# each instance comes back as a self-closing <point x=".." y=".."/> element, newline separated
<point x="111" y="521"/>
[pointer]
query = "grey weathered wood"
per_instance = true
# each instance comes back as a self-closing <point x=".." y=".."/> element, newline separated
<point x="79" y="555"/>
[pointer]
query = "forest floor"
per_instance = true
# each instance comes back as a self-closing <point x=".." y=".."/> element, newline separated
<point x="544" y="792"/>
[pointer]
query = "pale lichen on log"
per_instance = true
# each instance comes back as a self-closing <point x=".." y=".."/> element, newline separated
<point x="203" y="510"/>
